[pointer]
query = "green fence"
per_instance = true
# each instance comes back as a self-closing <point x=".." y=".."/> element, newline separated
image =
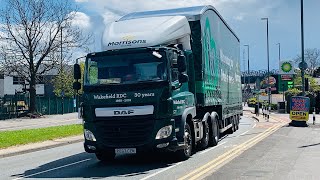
<point x="16" y="106"/>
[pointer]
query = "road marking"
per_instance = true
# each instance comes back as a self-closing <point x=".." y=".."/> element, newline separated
<point x="237" y="150"/>
<point x="255" y="124"/>
<point x="165" y="169"/>
<point x="230" y="156"/>
<point x="205" y="151"/>
<point x="41" y="172"/>
<point x="244" y="133"/>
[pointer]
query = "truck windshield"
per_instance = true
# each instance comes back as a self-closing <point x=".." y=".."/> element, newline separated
<point x="125" y="69"/>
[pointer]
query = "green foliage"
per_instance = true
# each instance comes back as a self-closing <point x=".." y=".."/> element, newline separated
<point x="63" y="82"/>
<point x="293" y="92"/>
<point x="313" y="87"/>
<point x="27" y="136"/>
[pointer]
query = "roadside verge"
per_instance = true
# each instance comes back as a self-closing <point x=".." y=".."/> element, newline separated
<point x="17" y="150"/>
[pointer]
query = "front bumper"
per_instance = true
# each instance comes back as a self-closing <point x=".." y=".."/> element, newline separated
<point x="140" y="135"/>
<point x="173" y="145"/>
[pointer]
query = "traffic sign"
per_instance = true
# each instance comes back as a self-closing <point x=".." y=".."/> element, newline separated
<point x="299" y="108"/>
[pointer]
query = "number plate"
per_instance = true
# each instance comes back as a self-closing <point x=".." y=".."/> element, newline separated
<point x="126" y="151"/>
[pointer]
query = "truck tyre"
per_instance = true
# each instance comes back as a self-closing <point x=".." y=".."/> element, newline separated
<point x="105" y="157"/>
<point x="206" y="136"/>
<point x="185" y="153"/>
<point x="237" y="121"/>
<point x="214" y="133"/>
<point x="231" y="130"/>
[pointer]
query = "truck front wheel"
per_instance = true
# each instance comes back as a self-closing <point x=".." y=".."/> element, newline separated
<point x="185" y="153"/>
<point x="105" y="157"/>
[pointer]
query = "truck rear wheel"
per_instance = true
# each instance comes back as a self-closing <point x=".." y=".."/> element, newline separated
<point x="105" y="157"/>
<point x="206" y="136"/>
<point x="237" y="121"/>
<point x="214" y="133"/>
<point x="185" y="153"/>
<point x="231" y="130"/>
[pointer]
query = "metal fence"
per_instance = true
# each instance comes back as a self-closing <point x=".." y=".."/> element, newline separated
<point x="17" y="105"/>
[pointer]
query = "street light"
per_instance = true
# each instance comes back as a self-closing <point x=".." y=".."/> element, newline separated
<point x="302" y="52"/>
<point x="279" y="53"/>
<point x="269" y="89"/>
<point x="248" y="64"/>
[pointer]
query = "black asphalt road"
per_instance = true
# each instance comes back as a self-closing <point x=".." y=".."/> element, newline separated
<point x="71" y="161"/>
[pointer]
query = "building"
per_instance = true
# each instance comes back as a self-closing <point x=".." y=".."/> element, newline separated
<point x="10" y="85"/>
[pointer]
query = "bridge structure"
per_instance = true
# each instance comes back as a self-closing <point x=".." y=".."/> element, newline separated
<point x="251" y="78"/>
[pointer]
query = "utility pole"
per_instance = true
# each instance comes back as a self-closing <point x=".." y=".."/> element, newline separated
<point x="279" y="53"/>
<point x="244" y="69"/>
<point x="269" y="88"/>
<point x="61" y="74"/>
<point x="302" y="52"/>
<point x="248" y="64"/>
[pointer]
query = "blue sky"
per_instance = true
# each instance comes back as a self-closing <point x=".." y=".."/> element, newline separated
<point x="242" y="15"/>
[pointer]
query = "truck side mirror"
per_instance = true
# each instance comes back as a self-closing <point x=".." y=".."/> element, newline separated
<point x="76" y="72"/>
<point x="182" y="63"/>
<point x="77" y="86"/>
<point x="183" y="78"/>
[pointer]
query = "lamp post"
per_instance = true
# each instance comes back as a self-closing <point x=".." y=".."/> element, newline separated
<point x="248" y="64"/>
<point x="302" y="52"/>
<point x="269" y="89"/>
<point x="279" y="53"/>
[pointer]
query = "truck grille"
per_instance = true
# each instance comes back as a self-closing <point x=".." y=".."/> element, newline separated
<point x="124" y="132"/>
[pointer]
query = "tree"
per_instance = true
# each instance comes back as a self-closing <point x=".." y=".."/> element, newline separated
<point x="313" y="87"/>
<point x="312" y="57"/>
<point x="64" y="82"/>
<point x="31" y="35"/>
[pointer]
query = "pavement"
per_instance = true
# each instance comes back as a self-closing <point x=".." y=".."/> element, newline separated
<point x="45" y="121"/>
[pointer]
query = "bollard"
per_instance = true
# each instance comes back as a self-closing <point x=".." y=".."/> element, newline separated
<point x="314" y="116"/>
<point x="269" y="110"/>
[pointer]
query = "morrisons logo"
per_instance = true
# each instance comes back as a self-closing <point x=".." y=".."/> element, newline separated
<point x="127" y="42"/>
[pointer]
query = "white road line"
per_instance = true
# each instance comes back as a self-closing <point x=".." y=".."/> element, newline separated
<point x="207" y="150"/>
<point x="165" y="169"/>
<point x="41" y="172"/>
<point x="254" y="125"/>
<point x="244" y="133"/>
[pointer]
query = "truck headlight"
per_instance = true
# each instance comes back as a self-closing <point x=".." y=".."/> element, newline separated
<point x="89" y="135"/>
<point x="164" y="132"/>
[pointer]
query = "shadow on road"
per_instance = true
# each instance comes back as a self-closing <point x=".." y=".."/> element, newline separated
<point x="125" y="166"/>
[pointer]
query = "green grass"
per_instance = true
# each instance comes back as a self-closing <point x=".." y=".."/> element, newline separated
<point x="20" y="137"/>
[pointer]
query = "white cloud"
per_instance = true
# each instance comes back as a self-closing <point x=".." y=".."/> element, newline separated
<point x="111" y="10"/>
<point x="81" y="1"/>
<point x="81" y="20"/>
